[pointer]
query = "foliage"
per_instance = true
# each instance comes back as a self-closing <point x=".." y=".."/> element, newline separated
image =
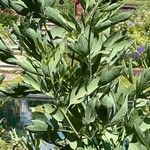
<point x="7" y="17"/>
<point x="141" y="56"/>
<point x="78" y="63"/>
<point x="64" y="6"/>
<point x="139" y="24"/>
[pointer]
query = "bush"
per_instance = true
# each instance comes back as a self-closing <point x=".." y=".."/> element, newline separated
<point x="77" y="63"/>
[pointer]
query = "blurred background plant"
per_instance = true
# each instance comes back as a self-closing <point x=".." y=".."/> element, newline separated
<point x="138" y="27"/>
<point x="6" y="18"/>
<point x="65" y="6"/>
<point x="139" y="24"/>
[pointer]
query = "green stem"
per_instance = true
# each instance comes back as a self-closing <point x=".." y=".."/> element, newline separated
<point x="93" y="140"/>
<point x="71" y="125"/>
<point x="93" y="11"/>
<point x="89" y="36"/>
<point x="89" y="49"/>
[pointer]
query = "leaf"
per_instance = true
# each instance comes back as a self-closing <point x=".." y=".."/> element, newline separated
<point x="76" y="98"/>
<point x="143" y="81"/>
<point x="38" y="126"/>
<point x="16" y="30"/>
<point x="1" y="120"/>
<point x="19" y="6"/>
<point x="58" y="115"/>
<point x="130" y="72"/>
<point x="90" y="113"/>
<point x="49" y="108"/>
<point x="49" y="3"/>
<point x="83" y="3"/>
<point x="107" y="75"/>
<point x="5" y="52"/>
<point x="112" y="7"/>
<point x="55" y="17"/>
<point x="134" y="118"/>
<point x="100" y="26"/>
<point x="31" y="33"/>
<point x="137" y="146"/>
<point x="96" y="45"/>
<point x="54" y="112"/>
<point x="56" y="58"/>
<point x="5" y="3"/>
<point x="108" y="102"/>
<point x="2" y="77"/>
<point x="113" y="38"/>
<point x="140" y="102"/>
<point x="144" y="138"/>
<point x="32" y="80"/>
<point x="25" y="64"/>
<point x="120" y="17"/>
<point x="120" y="114"/>
<point x="73" y="144"/>
<point x="111" y="136"/>
<point x="58" y="32"/>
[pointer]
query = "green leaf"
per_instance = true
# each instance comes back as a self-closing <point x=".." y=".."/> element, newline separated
<point x="134" y="118"/>
<point x="55" y="17"/>
<point x="49" y="3"/>
<point x="38" y="126"/>
<point x="113" y="38"/>
<point x="1" y="120"/>
<point x="137" y="146"/>
<point x="5" y="3"/>
<point x="49" y="108"/>
<point x="73" y="144"/>
<point x="112" y="7"/>
<point x="32" y="80"/>
<point x="78" y="97"/>
<point x="2" y="77"/>
<point x="25" y="64"/>
<point x="144" y="138"/>
<point x="18" y="6"/>
<point x="108" y="102"/>
<point x="31" y="33"/>
<point x="16" y="30"/>
<point x="130" y="72"/>
<point x="90" y="113"/>
<point x="100" y="26"/>
<point x="109" y="74"/>
<point x="143" y="82"/>
<point x="120" y="114"/>
<point x="96" y="45"/>
<point x="58" y="32"/>
<point x="83" y="3"/>
<point x="5" y="52"/>
<point x="56" y="58"/>
<point x="120" y="17"/>
<point x="54" y="112"/>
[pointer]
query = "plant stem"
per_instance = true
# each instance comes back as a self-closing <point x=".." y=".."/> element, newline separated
<point x="93" y="140"/>
<point x="89" y="37"/>
<point x="71" y="125"/>
<point x="89" y="48"/>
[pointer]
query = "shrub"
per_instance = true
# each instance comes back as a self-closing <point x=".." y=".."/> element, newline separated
<point x="77" y="63"/>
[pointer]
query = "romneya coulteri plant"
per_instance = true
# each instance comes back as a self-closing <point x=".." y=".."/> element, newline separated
<point x="78" y="63"/>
